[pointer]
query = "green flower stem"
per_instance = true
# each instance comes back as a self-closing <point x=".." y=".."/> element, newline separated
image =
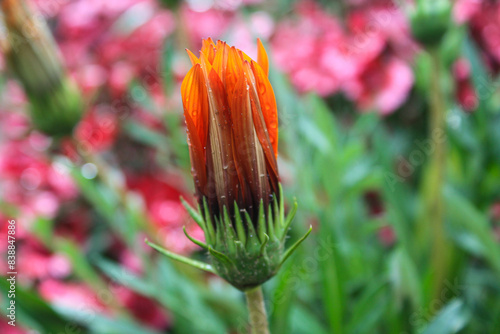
<point x="437" y="167"/>
<point x="257" y="311"/>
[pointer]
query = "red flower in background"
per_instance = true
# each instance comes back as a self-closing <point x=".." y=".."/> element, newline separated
<point x="165" y="210"/>
<point x="144" y="309"/>
<point x="98" y="129"/>
<point x="464" y="91"/>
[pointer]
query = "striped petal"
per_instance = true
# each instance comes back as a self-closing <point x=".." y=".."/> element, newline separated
<point x="262" y="59"/>
<point x="268" y="104"/>
<point x="195" y="103"/>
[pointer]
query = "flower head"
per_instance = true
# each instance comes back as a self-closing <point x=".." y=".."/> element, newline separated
<point x="232" y="124"/>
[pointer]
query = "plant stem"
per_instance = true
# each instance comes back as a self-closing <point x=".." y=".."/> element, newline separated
<point x="257" y="311"/>
<point x="435" y="205"/>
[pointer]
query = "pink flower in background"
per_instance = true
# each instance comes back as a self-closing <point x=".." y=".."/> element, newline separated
<point x="364" y="60"/>
<point x="75" y="296"/>
<point x="108" y="44"/>
<point x="298" y="48"/>
<point x="244" y="31"/>
<point x="30" y="180"/>
<point x="36" y="263"/>
<point x="463" y="10"/>
<point x="484" y="25"/>
<point x="9" y="329"/>
<point x="383" y="86"/>
<point x="13" y="125"/>
<point x="208" y="22"/>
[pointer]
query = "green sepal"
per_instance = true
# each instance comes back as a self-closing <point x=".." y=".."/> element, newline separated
<point x="289" y="219"/>
<point x="230" y="233"/>
<point x="282" y="204"/>
<point x="240" y="229"/>
<point x="261" y="226"/>
<point x="263" y="246"/>
<point x="270" y="223"/>
<point x="220" y="256"/>
<point x="220" y="240"/>
<point x="210" y="236"/>
<point x="180" y="258"/>
<point x="294" y="246"/>
<point x="253" y="244"/>
<point x="198" y="242"/>
<point x="194" y="214"/>
<point x="246" y="252"/>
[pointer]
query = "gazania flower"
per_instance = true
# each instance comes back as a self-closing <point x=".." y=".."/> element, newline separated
<point x="232" y="125"/>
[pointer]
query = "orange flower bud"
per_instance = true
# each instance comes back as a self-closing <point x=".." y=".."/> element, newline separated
<point x="232" y="125"/>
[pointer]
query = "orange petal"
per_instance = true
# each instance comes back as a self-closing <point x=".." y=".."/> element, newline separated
<point x="220" y="60"/>
<point x="192" y="57"/>
<point x="244" y="56"/>
<point x="208" y="48"/>
<point x="206" y="66"/>
<point x="262" y="59"/>
<point x="245" y="145"/>
<point x="260" y="125"/>
<point x="220" y="142"/>
<point x="195" y="102"/>
<point x="234" y="70"/>
<point x="268" y="104"/>
<point x="197" y="156"/>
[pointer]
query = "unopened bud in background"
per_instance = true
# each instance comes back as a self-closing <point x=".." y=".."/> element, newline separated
<point x="430" y="20"/>
<point x="32" y="56"/>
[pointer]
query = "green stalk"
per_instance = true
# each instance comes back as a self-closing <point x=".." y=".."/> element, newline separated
<point x="257" y="311"/>
<point x="437" y="167"/>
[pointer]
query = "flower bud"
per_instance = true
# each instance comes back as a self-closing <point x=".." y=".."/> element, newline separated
<point x="32" y="56"/>
<point x="232" y="125"/>
<point x="430" y="21"/>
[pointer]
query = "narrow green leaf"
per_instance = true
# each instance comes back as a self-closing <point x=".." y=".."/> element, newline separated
<point x="183" y="259"/>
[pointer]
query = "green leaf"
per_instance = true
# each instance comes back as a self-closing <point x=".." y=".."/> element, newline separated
<point x="451" y="319"/>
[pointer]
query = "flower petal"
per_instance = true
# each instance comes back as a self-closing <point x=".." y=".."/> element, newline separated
<point x="262" y="59"/>
<point x="268" y="104"/>
<point x="195" y="102"/>
<point x="208" y="48"/>
<point x="247" y="150"/>
<point x="194" y="60"/>
<point x="260" y="126"/>
<point x="221" y="168"/>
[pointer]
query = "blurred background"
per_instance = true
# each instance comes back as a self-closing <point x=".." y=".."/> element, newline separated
<point x="389" y="132"/>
